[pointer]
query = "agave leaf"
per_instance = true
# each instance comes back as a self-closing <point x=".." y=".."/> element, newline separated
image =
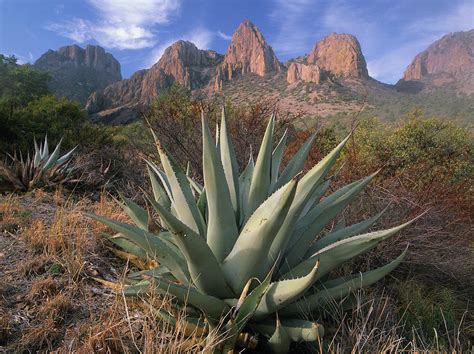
<point x="277" y="156"/>
<point x="210" y="305"/>
<point x="183" y="198"/>
<point x="282" y="293"/>
<point x="189" y="326"/>
<point x="319" y="217"/>
<point x="245" y="311"/>
<point x="245" y="260"/>
<point x="159" y="193"/>
<point x="203" y="266"/>
<point x="315" y="197"/>
<point x="229" y="163"/>
<point x="45" y="148"/>
<point x="202" y="204"/>
<point x="339" y="288"/>
<point x="195" y="186"/>
<point x="53" y="157"/>
<point x="296" y="163"/>
<point x="298" y="330"/>
<point x="37" y="155"/>
<point x="341" y="251"/>
<point x="164" y="180"/>
<point x="63" y="159"/>
<point x="244" y="187"/>
<point x="138" y="289"/>
<point x="304" y="191"/>
<point x="280" y="341"/>
<point x="158" y="248"/>
<point x="222" y="229"/>
<point x="125" y="244"/>
<point x="135" y="212"/>
<point x="345" y="232"/>
<point x="158" y="272"/>
<point x="260" y="184"/>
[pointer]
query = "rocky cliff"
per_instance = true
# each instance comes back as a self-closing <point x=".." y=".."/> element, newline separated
<point x="337" y="55"/>
<point x="77" y="72"/>
<point x="248" y="52"/>
<point x="182" y="62"/>
<point x="448" y="62"/>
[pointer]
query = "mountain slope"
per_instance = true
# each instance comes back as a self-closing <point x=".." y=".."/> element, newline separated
<point x="447" y="63"/>
<point x="77" y="72"/>
<point x="182" y="62"/>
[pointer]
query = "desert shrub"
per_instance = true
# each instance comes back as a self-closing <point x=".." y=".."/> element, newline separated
<point x="27" y="110"/>
<point x="425" y="163"/>
<point x="59" y="118"/>
<point x="218" y="238"/>
<point x="176" y="117"/>
<point x="436" y="313"/>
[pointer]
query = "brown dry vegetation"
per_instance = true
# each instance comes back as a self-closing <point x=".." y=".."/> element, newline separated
<point x="50" y="253"/>
<point x="49" y="300"/>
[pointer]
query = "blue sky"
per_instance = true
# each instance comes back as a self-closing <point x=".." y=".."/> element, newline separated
<point x="136" y="32"/>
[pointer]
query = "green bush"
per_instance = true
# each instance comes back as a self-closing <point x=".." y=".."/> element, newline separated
<point x="28" y="111"/>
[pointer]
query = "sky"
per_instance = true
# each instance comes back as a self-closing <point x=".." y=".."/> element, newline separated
<point x="136" y="32"/>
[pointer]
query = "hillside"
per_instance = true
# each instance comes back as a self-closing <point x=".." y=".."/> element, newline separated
<point x="77" y="72"/>
<point x="447" y="63"/>
<point x="331" y="80"/>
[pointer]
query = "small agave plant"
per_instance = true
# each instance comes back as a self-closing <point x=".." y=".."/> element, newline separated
<point x="43" y="169"/>
<point x="243" y="249"/>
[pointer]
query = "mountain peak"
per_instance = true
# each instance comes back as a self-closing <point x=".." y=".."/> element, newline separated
<point x="77" y="72"/>
<point x="340" y="54"/>
<point x="248" y="52"/>
<point x="447" y="62"/>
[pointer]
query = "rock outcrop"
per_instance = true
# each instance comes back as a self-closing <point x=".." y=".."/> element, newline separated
<point x="182" y="62"/>
<point x="304" y="72"/>
<point x="248" y="52"/>
<point x="447" y="62"/>
<point x="189" y="66"/>
<point x="337" y="55"/>
<point x="341" y="55"/>
<point x="77" y="72"/>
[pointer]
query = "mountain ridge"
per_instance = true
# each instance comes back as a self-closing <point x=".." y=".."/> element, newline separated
<point x="77" y="72"/>
<point x="248" y="54"/>
<point x="332" y="78"/>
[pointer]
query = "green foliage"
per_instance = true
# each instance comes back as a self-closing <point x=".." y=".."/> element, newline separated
<point x="440" y="102"/>
<point x="19" y="84"/>
<point x="39" y="169"/>
<point x="27" y="110"/>
<point x="220" y="236"/>
<point x="431" y="151"/>
<point x="433" y="312"/>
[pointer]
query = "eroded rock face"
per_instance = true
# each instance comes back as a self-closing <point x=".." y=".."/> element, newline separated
<point x="447" y="62"/>
<point x="341" y="55"/>
<point x="248" y="52"/>
<point x="304" y="72"/>
<point x="77" y="72"/>
<point x="337" y="55"/>
<point x="182" y="62"/>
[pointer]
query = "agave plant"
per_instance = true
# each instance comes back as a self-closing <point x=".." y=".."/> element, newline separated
<point x="244" y="250"/>
<point x="43" y="169"/>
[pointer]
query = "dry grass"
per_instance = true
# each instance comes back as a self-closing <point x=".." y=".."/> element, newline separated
<point x="50" y="303"/>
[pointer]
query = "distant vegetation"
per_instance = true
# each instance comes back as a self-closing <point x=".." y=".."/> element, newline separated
<point x="28" y="111"/>
<point x="425" y="163"/>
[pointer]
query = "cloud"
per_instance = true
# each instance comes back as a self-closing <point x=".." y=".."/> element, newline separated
<point x="224" y="36"/>
<point x="390" y="33"/>
<point x="416" y="37"/>
<point x="461" y="18"/>
<point x="201" y="37"/>
<point x="122" y="24"/>
<point x="23" y="59"/>
<point x="293" y="36"/>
